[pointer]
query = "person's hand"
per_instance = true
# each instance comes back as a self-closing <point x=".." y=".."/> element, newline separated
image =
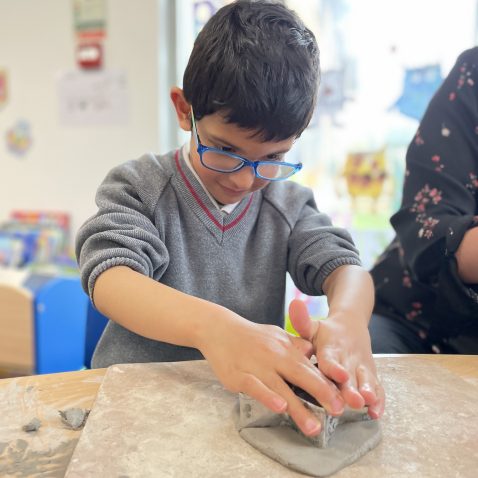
<point x="344" y="355"/>
<point x="258" y="359"/>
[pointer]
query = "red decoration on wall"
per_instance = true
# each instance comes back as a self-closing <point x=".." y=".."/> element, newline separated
<point x="89" y="56"/>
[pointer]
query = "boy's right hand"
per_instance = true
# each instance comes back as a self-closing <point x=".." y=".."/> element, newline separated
<point x="257" y="359"/>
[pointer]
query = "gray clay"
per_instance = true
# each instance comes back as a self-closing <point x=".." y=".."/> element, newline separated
<point x="342" y="440"/>
<point x="3" y="446"/>
<point x="32" y="426"/>
<point x="20" y="461"/>
<point x="17" y="451"/>
<point x="74" y="418"/>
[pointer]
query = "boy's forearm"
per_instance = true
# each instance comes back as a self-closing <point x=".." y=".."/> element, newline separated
<point x="350" y="293"/>
<point x="152" y="309"/>
<point x="467" y="257"/>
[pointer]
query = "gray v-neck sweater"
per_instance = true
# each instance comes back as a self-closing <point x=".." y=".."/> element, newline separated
<point x="154" y="217"/>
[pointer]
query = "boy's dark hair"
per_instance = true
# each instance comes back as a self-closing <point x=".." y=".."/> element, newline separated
<point x="255" y="62"/>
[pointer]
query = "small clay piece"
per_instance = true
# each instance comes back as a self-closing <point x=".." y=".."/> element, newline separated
<point x="74" y="418"/>
<point x="32" y="426"/>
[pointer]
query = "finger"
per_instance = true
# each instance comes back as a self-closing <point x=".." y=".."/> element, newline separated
<point x="304" y="346"/>
<point x="324" y="391"/>
<point x="253" y="387"/>
<point x="351" y="395"/>
<point x="279" y="398"/>
<point x="366" y="383"/>
<point x="332" y="368"/>
<point x="301" y="321"/>
<point x="304" y="418"/>
<point x="376" y="410"/>
<point x="348" y="388"/>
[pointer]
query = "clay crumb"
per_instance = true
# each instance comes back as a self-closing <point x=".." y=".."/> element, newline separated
<point x="74" y="418"/>
<point x="32" y="426"/>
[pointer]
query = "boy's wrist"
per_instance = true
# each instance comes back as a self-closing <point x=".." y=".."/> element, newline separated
<point x="349" y="317"/>
<point x="211" y="318"/>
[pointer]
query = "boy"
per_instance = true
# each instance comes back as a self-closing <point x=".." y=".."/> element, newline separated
<point x="188" y="252"/>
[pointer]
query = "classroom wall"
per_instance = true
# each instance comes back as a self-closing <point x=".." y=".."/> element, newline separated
<point x="65" y="164"/>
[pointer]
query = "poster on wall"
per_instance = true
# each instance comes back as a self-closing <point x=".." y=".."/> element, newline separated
<point x="89" y="18"/>
<point x="89" y="22"/>
<point x="419" y="86"/>
<point x="3" y="88"/>
<point x="93" y="98"/>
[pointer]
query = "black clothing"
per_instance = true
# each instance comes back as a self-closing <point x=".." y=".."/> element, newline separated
<point x="416" y="279"/>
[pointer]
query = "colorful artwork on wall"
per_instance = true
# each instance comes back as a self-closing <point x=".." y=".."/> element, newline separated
<point x="419" y="86"/>
<point x="365" y="174"/>
<point x="19" y="138"/>
<point x="89" y="20"/>
<point x="3" y="88"/>
<point x="331" y="96"/>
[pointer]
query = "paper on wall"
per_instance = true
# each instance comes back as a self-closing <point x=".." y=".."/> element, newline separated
<point x="93" y="98"/>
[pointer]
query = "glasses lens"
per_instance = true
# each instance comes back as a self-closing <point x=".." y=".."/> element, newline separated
<point x="275" y="170"/>
<point x="220" y="161"/>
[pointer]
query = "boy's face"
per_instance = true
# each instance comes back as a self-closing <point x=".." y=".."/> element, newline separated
<point x="229" y="188"/>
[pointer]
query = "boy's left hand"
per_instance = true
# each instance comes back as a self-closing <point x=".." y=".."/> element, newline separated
<point x="344" y="355"/>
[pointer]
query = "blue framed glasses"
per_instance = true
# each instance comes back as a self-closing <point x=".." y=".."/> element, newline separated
<point x="225" y="162"/>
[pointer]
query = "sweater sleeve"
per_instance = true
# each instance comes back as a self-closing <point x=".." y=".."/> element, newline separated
<point x="122" y="232"/>
<point x="317" y="248"/>
<point x="440" y="191"/>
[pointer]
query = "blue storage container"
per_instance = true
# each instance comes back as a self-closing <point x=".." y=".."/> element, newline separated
<point x="60" y="312"/>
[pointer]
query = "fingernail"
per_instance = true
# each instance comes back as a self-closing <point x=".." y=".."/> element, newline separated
<point x="312" y="426"/>
<point x="373" y="414"/>
<point x="279" y="404"/>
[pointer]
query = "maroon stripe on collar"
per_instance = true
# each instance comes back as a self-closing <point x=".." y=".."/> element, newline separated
<point x="203" y="206"/>
<point x="238" y="218"/>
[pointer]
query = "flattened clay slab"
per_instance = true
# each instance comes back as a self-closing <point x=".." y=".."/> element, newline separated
<point x="342" y="440"/>
<point x="349" y="442"/>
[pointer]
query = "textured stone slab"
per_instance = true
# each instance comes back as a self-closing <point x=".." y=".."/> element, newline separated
<point x="176" y="420"/>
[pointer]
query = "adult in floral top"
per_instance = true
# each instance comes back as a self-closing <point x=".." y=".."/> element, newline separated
<point x="426" y="280"/>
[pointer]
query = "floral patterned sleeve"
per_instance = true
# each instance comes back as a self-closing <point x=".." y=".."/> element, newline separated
<point x="441" y="186"/>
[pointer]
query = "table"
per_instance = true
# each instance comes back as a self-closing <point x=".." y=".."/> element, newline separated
<point x="43" y="395"/>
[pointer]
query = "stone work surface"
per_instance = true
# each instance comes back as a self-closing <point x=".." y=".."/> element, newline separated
<point x="177" y="420"/>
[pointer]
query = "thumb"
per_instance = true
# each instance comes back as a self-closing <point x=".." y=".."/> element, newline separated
<point x="301" y="321"/>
